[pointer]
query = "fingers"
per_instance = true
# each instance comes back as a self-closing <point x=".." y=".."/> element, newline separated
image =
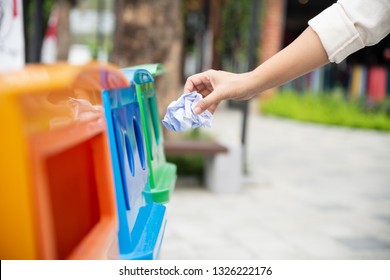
<point x="201" y="82"/>
<point x="189" y="86"/>
<point x="210" y="102"/>
<point x="213" y="107"/>
<point x="196" y="82"/>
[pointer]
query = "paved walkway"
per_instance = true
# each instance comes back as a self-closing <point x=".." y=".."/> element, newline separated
<point x="313" y="192"/>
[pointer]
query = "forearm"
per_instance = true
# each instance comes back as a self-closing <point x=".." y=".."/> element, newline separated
<point x="303" y="55"/>
<point x="341" y="29"/>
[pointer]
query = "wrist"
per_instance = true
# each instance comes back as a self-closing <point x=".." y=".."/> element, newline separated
<point x="253" y="83"/>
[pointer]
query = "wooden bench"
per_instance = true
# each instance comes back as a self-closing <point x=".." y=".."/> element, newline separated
<point x="222" y="163"/>
<point x="192" y="147"/>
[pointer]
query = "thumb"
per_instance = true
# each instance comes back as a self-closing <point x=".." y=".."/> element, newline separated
<point x="207" y="102"/>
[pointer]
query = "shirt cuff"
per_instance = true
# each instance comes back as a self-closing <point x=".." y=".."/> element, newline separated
<point x="337" y="33"/>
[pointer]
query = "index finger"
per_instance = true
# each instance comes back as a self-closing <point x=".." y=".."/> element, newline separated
<point x="195" y="82"/>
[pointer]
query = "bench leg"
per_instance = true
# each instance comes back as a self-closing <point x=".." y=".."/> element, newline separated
<point x="223" y="172"/>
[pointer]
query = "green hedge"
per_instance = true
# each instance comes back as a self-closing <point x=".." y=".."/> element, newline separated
<point x="188" y="165"/>
<point x="191" y="165"/>
<point x="324" y="108"/>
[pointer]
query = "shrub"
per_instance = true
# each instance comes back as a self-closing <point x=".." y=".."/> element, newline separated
<point x="331" y="109"/>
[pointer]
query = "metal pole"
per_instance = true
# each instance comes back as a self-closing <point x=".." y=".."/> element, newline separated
<point x="38" y="32"/>
<point x="253" y="38"/>
<point x="25" y="32"/>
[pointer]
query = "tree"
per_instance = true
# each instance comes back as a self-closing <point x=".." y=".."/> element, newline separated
<point x="64" y="36"/>
<point x="151" y="32"/>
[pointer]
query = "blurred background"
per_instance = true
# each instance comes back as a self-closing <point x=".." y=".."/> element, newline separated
<point x="308" y="190"/>
<point x="190" y="36"/>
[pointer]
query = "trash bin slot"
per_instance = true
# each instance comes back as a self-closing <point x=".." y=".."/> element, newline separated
<point x="153" y="109"/>
<point x="130" y="156"/>
<point x="121" y="154"/>
<point x="140" y="142"/>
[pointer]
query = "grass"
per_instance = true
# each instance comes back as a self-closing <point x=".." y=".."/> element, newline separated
<point x="332" y="109"/>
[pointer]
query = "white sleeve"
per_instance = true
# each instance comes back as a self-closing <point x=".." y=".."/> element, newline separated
<point x="349" y="25"/>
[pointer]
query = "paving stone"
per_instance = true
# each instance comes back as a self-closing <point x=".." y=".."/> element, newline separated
<point x="364" y="243"/>
<point x="312" y="192"/>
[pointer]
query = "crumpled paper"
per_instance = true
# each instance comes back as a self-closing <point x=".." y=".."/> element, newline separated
<point x="181" y="117"/>
<point x="71" y="110"/>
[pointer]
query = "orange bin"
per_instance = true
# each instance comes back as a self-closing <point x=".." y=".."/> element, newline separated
<point x="56" y="188"/>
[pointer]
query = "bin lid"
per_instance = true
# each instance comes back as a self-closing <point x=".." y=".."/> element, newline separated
<point x="155" y="69"/>
<point x="36" y="78"/>
<point x="138" y="76"/>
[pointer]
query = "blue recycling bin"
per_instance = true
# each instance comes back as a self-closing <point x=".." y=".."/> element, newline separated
<point x="163" y="174"/>
<point x="141" y="221"/>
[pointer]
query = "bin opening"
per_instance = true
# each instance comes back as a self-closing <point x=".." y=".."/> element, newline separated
<point x="73" y="194"/>
<point x="140" y="142"/>
<point x="153" y="109"/>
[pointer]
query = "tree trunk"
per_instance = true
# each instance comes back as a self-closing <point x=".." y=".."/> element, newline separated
<point x="150" y="31"/>
<point x="64" y="38"/>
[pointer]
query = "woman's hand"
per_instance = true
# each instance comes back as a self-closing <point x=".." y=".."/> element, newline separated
<point x="216" y="86"/>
